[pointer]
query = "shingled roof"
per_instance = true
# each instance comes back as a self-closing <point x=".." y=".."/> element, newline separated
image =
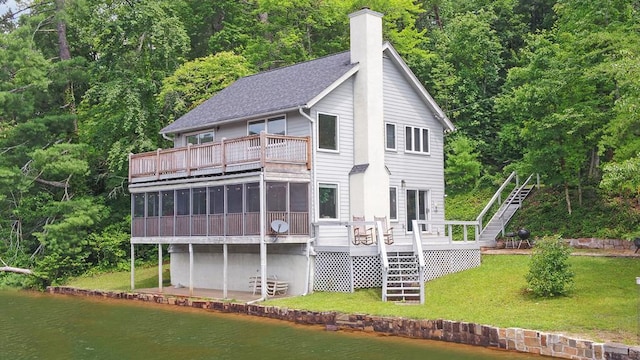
<point x="266" y="93"/>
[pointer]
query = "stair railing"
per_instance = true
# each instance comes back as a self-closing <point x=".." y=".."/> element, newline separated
<point x="382" y="251"/>
<point x="417" y="249"/>
<point x="497" y="197"/>
<point x="516" y="194"/>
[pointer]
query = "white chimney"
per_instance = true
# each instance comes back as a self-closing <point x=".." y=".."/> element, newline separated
<point x="369" y="180"/>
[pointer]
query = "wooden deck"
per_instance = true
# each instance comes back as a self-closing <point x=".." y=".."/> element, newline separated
<point x="229" y="155"/>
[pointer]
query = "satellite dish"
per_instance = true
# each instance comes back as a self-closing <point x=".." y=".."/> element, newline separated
<point x="279" y="226"/>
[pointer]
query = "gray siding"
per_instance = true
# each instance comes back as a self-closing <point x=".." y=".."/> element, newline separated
<point x="334" y="167"/>
<point x="403" y="106"/>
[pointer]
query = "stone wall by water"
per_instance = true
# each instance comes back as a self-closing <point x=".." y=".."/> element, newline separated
<point x="514" y="339"/>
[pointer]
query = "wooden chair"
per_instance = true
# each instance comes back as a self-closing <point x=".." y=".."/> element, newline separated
<point x="361" y="235"/>
<point x="387" y="232"/>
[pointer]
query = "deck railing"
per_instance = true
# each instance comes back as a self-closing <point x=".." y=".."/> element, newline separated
<point x="254" y="151"/>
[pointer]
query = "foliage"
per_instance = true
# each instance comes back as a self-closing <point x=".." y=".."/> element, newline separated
<point x="543" y="85"/>
<point x="545" y="214"/>
<point x="198" y="80"/>
<point x="549" y="271"/>
<point x="462" y="166"/>
<point x="623" y="179"/>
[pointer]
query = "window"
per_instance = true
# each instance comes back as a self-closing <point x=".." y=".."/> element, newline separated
<point x="201" y="138"/>
<point x="328" y="201"/>
<point x="199" y="203"/>
<point x="167" y="203"/>
<point x="327" y="132"/>
<point x="417" y="207"/>
<point x="393" y="203"/>
<point x="390" y="135"/>
<point x="416" y="140"/>
<point x="216" y="200"/>
<point x="275" y="125"/>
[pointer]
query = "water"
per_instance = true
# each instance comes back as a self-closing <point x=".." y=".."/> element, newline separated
<point x="41" y="326"/>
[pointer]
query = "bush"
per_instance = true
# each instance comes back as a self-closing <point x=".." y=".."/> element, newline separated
<point x="549" y="272"/>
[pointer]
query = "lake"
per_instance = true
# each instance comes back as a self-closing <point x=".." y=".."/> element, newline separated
<point x="45" y="326"/>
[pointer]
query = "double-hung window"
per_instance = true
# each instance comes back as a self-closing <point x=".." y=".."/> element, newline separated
<point x="327" y="132"/>
<point x="416" y="140"/>
<point x="390" y="136"/>
<point x="328" y="201"/>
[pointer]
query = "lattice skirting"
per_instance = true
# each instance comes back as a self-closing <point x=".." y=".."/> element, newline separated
<point x="442" y="262"/>
<point x="339" y="272"/>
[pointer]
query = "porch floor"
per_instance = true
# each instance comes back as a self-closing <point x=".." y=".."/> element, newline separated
<point x="236" y="296"/>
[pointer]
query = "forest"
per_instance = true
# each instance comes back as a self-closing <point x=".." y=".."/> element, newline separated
<point x="538" y="86"/>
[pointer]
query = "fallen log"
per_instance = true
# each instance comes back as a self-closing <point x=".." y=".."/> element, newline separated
<point x="16" y="270"/>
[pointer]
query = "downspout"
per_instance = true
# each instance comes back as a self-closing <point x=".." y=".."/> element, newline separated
<point x="164" y="136"/>
<point x="313" y="189"/>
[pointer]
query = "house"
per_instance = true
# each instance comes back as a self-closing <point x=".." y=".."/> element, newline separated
<point x="266" y="177"/>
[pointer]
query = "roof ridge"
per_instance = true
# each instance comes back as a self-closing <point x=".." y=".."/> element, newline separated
<point x="295" y="64"/>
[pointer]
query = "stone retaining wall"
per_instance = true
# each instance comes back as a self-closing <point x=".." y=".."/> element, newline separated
<point x="593" y="243"/>
<point x="514" y="339"/>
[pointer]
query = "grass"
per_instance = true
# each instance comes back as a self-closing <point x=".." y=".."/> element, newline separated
<point x="145" y="277"/>
<point x="602" y="306"/>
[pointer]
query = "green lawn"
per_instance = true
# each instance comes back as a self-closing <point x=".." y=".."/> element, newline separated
<point x="602" y="307"/>
<point x="146" y="277"/>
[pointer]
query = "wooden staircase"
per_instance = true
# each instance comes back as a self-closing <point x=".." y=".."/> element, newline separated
<point x="494" y="227"/>
<point x="403" y="281"/>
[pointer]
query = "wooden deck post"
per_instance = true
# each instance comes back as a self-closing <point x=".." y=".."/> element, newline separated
<point x="223" y="155"/>
<point x="158" y="164"/>
<point x="188" y="159"/>
<point x="263" y="147"/>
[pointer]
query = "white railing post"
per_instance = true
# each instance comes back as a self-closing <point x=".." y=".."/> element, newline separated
<point x="417" y="249"/>
<point x="382" y="251"/>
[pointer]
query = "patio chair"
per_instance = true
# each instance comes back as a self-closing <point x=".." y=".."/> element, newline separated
<point x="387" y="232"/>
<point x="361" y="235"/>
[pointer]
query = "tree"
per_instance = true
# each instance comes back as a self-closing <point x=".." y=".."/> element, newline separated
<point x="137" y="45"/>
<point x="198" y="80"/>
<point x="462" y="165"/>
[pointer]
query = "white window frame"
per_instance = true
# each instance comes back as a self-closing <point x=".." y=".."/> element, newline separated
<point x="386" y="137"/>
<point x="265" y="121"/>
<point x="411" y="143"/>
<point x="393" y="201"/>
<point x="337" y="149"/>
<point x="335" y="186"/>
<point x="198" y="136"/>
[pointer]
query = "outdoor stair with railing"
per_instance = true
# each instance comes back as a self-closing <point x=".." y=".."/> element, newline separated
<point x="403" y="277"/>
<point x="496" y="226"/>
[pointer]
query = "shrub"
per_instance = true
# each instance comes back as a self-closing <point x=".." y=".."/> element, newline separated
<point x="549" y="272"/>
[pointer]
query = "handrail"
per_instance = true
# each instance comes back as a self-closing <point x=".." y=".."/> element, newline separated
<point x="382" y="251"/>
<point x="248" y="149"/>
<point x="495" y="197"/>
<point x="515" y="195"/>
<point x="449" y="226"/>
<point x="417" y="249"/>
